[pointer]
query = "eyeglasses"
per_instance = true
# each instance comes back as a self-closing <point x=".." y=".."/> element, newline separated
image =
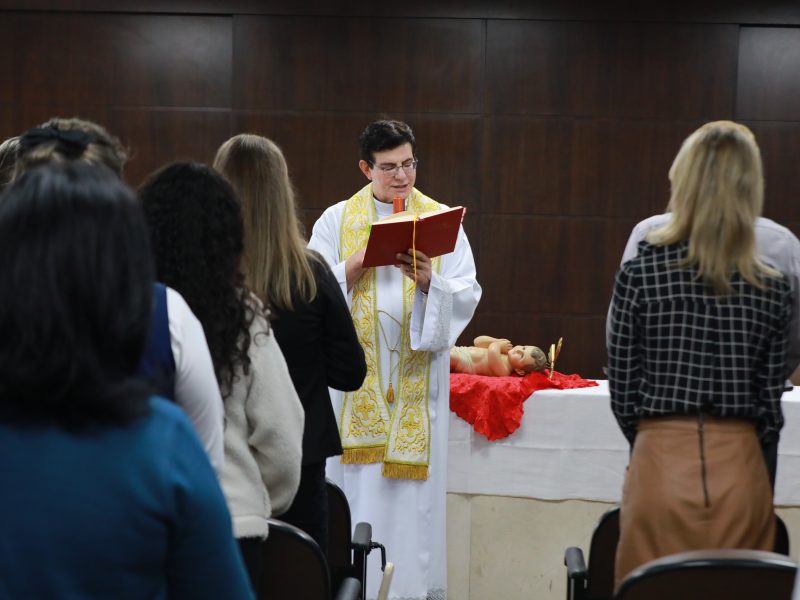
<point x="408" y="167"/>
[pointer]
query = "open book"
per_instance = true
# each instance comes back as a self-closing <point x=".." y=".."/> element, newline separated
<point x="436" y="234"/>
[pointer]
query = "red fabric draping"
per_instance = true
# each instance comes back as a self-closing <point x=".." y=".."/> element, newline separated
<point x="493" y="405"/>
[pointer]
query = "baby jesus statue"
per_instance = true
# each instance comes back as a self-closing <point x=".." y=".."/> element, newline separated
<point x="493" y="356"/>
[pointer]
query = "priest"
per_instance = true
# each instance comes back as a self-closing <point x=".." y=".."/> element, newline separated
<point x="407" y="316"/>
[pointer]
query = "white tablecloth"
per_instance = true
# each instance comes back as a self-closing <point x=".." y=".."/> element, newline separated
<point x="569" y="446"/>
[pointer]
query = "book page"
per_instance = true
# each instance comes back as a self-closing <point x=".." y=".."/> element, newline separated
<point x="407" y="215"/>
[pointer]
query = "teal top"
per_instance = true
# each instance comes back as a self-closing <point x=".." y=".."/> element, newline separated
<point x="123" y="512"/>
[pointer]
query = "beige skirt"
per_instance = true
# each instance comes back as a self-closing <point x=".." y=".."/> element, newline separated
<point x="691" y="487"/>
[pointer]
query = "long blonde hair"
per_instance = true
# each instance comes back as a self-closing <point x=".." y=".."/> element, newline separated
<point x="717" y="195"/>
<point x="277" y="263"/>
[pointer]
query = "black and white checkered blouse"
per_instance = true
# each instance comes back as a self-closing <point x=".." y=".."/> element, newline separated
<point x="677" y="349"/>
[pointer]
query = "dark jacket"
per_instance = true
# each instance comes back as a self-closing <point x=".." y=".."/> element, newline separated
<point x="322" y="350"/>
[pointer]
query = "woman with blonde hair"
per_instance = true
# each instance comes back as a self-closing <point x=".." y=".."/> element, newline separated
<point x="697" y="351"/>
<point x="311" y="320"/>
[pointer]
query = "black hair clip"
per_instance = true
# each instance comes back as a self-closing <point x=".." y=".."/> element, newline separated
<point x="70" y="142"/>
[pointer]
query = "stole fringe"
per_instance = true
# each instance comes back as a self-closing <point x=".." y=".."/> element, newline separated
<point x="362" y="456"/>
<point x="398" y="471"/>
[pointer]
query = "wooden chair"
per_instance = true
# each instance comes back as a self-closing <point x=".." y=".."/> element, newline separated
<point x="704" y="574"/>
<point x="595" y="581"/>
<point x="295" y="567"/>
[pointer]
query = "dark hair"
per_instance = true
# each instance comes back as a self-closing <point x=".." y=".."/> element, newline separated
<point x="76" y="294"/>
<point x="8" y="161"/>
<point x="70" y="139"/>
<point x="197" y="236"/>
<point x="385" y="135"/>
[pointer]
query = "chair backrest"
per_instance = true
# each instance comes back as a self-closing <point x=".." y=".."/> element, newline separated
<point x="603" y="551"/>
<point x="294" y="566"/>
<point x="602" y="556"/>
<point x="781" y="537"/>
<point x="340" y="555"/>
<point x="704" y="574"/>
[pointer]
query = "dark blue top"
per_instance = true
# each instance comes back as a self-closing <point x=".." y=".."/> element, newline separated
<point x="123" y="512"/>
<point x="158" y="364"/>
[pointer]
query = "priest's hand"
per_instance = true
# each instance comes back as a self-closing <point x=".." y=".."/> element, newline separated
<point x="353" y="269"/>
<point x="423" y="279"/>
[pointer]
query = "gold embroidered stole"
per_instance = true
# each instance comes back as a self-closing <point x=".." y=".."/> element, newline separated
<point x="372" y="429"/>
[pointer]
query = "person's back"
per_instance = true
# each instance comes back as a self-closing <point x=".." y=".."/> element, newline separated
<point x="122" y="512"/>
<point x="696" y="361"/>
<point x="176" y="361"/>
<point x="686" y="330"/>
<point x="776" y="245"/>
<point x="320" y="353"/>
<point x="310" y="318"/>
<point x="196" y="231"/>
<point x="106" y="492"/>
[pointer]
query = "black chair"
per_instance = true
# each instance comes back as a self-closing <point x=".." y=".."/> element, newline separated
<point x="595" y="581"/>
<point x="347" y="553"/>
<point x="295" y="567"/>
<point x="704" y="574"/>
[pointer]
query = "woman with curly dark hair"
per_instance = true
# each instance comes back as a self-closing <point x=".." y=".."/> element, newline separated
<point x="107" y="492"/>
<point x="196" y="234"/>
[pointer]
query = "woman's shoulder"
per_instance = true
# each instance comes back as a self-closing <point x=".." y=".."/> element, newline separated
<point x="166" y="413"/>
<point x="162" y="429"/>
<point x="318" y="264"/>
<point x="778" y="283"/>
<point x="649" y="254"/>
<point x="323" y="275"/>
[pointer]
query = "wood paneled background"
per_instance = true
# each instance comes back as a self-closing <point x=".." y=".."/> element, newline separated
<point x="554" y="122"/>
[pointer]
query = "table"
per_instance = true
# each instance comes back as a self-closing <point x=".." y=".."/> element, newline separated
<point x="515" y="504"/>
<point x="569" y="447"/>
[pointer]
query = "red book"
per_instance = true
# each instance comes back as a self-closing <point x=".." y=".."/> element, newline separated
<point x="436" y="234"/>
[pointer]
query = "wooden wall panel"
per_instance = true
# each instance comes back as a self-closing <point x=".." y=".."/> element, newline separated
<point x="780" y="152"/>
<point x="398" y="65"/>
<point x="322" y="153"/>
<point x="115" y="60"/>
<point x="549" y="265"/>
<point x="450" y="169"/>
<point x="525" y="165"/>
<point x="769" y="64"/>
<point x="556" y="133"/>
<point x="155" y="138"/>
<point x="16" y="118"/>
<point x="611" y="69"/>
<point x="620" y="167"/>
<point x="767" y="12"/>
<point x="548" y="68"/>
<point x="581" y="167"/>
